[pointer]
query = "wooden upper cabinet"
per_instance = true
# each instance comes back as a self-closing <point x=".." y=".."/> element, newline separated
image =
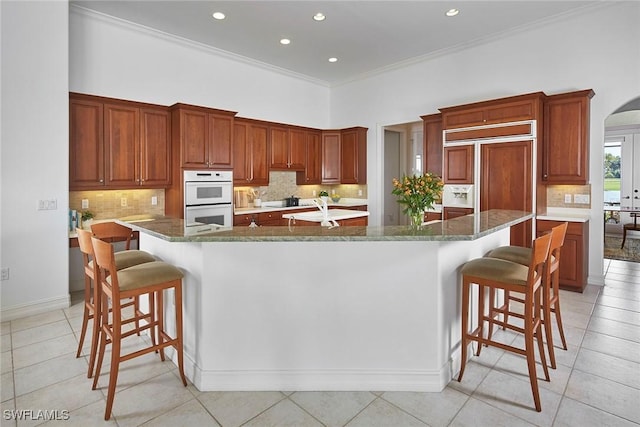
<point x="432" y="144"/>
<point x="220" y="141"/>
<point x="503" y="110"/>
<point x="122" y="130"/>
<point x="86" y="144"/>
<point x="204" y="136"/>
<point x="312" y="173"/>
<point x="250" y="152"/>
<point x="458" y="164"/>
<point x="279" y="158"/>
<point x="331" y="157"/>
<point x="353" y="163"/>
<point x="288" y="148"/>
<point x="155" y="147"/>
<point x="118" y="144"/>
<point x="565" y="153"/>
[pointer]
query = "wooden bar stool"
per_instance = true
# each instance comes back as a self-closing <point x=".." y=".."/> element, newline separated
<point x="123" y="259"/>
<point x="551" y="285"/>
<point x="497" y="274"/>
<point x="152" y="279"/>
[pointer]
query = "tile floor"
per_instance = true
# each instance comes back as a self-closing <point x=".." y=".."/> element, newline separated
<point x="597" y="382"/>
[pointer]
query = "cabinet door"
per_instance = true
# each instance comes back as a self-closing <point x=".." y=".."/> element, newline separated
<point x="432" y="135"/>
<point x="458" y="165"/>
<point x="566" y="138"/>
<point x="503" y="110"/>
<point x="297" y="149"/>
<point x="362" y="221"/>
<point x="86" y="144"/>
<point x="279" y="157"/>
<point x="331" y="158"/>
<point x="312" y="173"/>
<point x="259" y="145"/>
<point x="450" y="213"/>
<point x="574" y="254"/>
<point x="353" y="162"/>
<point x="241" y="159"/>
<point x="155" y="148"/>
<point x="122" y="142"/>
<point x="506" y="183"/>
<point x="194" y="137"/>
<point x="220" y="141"/>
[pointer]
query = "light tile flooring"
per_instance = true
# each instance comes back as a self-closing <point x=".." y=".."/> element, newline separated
<point x="597" y="382"/>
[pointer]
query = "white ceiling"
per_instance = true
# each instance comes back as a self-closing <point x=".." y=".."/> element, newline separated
<point x="365" y="36"/>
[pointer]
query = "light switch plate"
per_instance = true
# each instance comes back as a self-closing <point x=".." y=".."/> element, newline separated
<point x="567" y="198"/>
<point x="154" y="200"/>
<point x="85" y="203"/>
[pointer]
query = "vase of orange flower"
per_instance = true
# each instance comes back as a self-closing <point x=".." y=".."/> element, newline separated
<point x="417" y="193"/>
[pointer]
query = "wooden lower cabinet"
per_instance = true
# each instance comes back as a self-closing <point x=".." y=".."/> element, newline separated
<point x="450" y="213"/>
<point x="434" y="216"/>
<point x="274" y="218"/>
<point x="574" y="255"/>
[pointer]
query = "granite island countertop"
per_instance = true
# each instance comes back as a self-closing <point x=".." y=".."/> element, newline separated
<point x="469" y="227"/>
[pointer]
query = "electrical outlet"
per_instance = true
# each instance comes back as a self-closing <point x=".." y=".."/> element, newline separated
<point x="123" y="201"/>
<point x="154" y="200"/>
<point x="582" y="198"/>
<point x="567" y="198"/>
<point x="359" y="192"/>
<point x="313" y="193"/>
<point x="4" y="274"/>
<point x="85" y="203"/>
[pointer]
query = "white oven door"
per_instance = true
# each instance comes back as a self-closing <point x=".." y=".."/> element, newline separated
<point x="221" y="215"/>
<point x="203" y="193"/>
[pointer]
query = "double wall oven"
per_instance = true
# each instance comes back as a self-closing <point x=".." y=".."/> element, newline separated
<point x="208" y="198"/>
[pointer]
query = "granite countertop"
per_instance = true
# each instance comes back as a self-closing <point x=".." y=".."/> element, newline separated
<point x="469" y="227"/>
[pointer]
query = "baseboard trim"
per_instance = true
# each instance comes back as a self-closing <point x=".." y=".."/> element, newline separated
<point x="37" y="307"/>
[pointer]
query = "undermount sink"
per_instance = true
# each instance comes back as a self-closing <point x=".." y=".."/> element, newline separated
<point x="333" y="214"/>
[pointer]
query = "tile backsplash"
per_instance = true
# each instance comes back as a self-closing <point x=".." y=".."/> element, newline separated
<point x="109" y="203"/>
<point x="564" y="196"/>
<point x="283" y="184"/>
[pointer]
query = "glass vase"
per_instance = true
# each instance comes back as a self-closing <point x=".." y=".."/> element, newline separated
<point x="416" y="219"/>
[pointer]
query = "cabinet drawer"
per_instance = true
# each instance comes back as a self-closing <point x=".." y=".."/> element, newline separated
<point x="243" y="219"/>
<point x="574" y="228"/>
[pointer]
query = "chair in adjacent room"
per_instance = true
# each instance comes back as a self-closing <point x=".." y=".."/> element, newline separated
<point x="497" y="274"/>
<point x="123" y="259"/>
<point x="630" y="227"/>
<point x="149" y="279"/>
<point x="551" y="286"/>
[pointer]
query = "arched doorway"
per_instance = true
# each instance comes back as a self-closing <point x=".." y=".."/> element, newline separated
<point x="622" y="181"/>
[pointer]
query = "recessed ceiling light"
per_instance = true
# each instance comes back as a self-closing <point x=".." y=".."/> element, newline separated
<point x="319" y="17"/>
<point x="452" y="12"/>
<point x="285" y="41"/>
<point x="334" y="59"/>
<point x="218" y="15"/>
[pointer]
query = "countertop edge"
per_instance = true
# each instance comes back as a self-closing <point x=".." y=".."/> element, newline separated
<point x="172" y="230"/>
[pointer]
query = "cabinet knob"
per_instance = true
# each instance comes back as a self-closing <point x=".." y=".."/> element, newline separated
<point x="626" y="197"/>
<point x="102" y="180"/>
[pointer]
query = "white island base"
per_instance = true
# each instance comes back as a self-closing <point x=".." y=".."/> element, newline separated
<point x="321" y="315"/>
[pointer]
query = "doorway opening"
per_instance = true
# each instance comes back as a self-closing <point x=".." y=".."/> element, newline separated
<point x="622" y="182"/>
<point x="402" y="155"/>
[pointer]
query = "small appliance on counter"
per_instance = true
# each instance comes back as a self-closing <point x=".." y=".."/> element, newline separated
<point x="291" y="201"/>
<point x="240" y="199"/>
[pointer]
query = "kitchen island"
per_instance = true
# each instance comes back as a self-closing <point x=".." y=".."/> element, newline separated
<point x="313" y="308"/>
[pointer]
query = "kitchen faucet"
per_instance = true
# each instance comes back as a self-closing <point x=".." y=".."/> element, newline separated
<point x="324" y="208"/>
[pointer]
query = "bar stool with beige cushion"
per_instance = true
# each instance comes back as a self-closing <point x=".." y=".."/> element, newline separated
<point x="151" y="279"/>
<point x="123" y="259"/>
<point x="551" y="285"/>
<point x="497" y="274"/>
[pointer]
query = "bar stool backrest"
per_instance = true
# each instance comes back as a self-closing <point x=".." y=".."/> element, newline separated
<point x="558" y="234"/>
<point x="106" y="273"/>
<point x="538" y="258"/>
<point x="84" y="241"/>
<point x="112" y="230"/>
